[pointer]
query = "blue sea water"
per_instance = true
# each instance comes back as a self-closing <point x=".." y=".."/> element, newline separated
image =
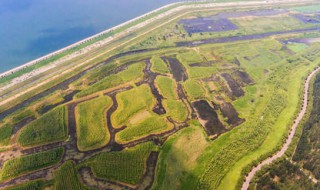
<point x="32" y="28"/>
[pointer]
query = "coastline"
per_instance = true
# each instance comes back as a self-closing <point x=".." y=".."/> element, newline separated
<point x="35" y="61"/>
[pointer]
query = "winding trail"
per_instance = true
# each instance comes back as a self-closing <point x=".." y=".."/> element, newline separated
<point x="284" y="148"/>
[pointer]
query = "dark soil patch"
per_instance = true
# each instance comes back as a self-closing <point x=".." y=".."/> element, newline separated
<point x="242" y="38"/>
<point x="177" y="69"/>
<point x="198" y="25"/>
<point x="203" y="64"/>
<point x="229" y="112"/>
<point x="242" y="78"/>
<point x="213" y="126"/>
<point x="307" y="18"/>
<point x="234" y="88"/>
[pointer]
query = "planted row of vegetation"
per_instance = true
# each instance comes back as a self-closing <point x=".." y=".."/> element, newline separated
<point x="133" y="72"/>
<point x="50" y="127"/>
<point x="127" y="166"/>
<point x="25" y="164"/>
<point x="92" y="129"/>
<point x="130" y="105"/>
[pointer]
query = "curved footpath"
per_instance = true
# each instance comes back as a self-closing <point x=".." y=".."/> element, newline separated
<point x="284" y="148"/>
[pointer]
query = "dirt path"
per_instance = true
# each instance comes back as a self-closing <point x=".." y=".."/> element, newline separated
<point x="284" y="148"/>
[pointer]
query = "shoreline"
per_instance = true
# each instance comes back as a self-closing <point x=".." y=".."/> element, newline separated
<point x="35" y="61"/>
<point x="202" y="3"/>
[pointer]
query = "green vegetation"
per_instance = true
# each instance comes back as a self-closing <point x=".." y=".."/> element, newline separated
<point x="266" y="24"/>
<point x="190" y="57"/>
<point x="66" y="177"/>
<point x="158" y="65"/>
<point x="297" y="47"/>
<point x="129" y="105"/>
<point x="307" y="9"/>
<point x="188" y="158"/>
<point x="133" y="72"/>
<point x="194" y="89"/>
<point x="285" y="175"/>
<point x="50" y="127"/>
<point x="149" y="126"/>
<point x="20" y="116"/>
<point x="25" y="164"/>
<point x="92" y="131"/>
<point x="5" y="134"/>
<point x="176" y="110"/>
<point x="167" y="87"/>
<point x="127" y="166"/>
<point x="32" y="185"/>
<point x="179" y="156"/>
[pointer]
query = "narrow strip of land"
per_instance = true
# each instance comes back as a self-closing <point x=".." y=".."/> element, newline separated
<point x="284" y="148"/>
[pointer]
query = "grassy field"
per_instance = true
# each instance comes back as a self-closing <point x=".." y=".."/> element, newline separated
<point x="127" y="166"/>
<point x="92" y="131"/>
<point x="5" y="134"/>
<point x="66" y="177"/>
<point x="176" y="110"/>
<point x="297" y="47"/>
<point x="158" y="65"/>
<point x="179" y="156"/>
<point x="32" y="185"/>
<point x="133" y="72"/>
<point x="194" y="89"/>
<point x="148" y="126"/>
<point x="128" y="105"/>
<point x="25" y="164"/>
<point x="267" y="24"/>
<point x="50" y="127"/>
<point x="167" y="87"/>
<point x="307" y="9"/>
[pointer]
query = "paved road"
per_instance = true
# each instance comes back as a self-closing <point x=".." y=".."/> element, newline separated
<point x="284" y="148"/>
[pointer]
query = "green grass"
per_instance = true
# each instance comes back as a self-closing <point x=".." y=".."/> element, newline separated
<point x="25" y="164"/>
<point x="178" y="158"/>
<point x="158" y="65"/>
<point x="176" y="110"/>
<point x="149" y="126"/>
<point x="127" y="166"/>
<point x="32" y="185"/>
<point x="92" y="131"/>
<point x="133" y="72"/>
<point x="5" y="134"/>
<point x="266" y="24"/>
<point x="194" y="89"/>
<point x="129" y="104"/>
<point x="66" y="177"/>
<point x="307" y="9"/>
<point x="297" y="47"/>
<point x="167" y="87"/>
<point x="190" y="57"/>
<point x="21" y="115"/>
<point x="50" y="127"/>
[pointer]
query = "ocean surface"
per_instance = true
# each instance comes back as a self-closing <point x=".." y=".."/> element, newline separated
<point x="32" y="28"/>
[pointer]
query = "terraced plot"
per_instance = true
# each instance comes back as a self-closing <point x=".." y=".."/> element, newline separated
<point x="92" y="131"/>
<point x="50" y="127"/>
